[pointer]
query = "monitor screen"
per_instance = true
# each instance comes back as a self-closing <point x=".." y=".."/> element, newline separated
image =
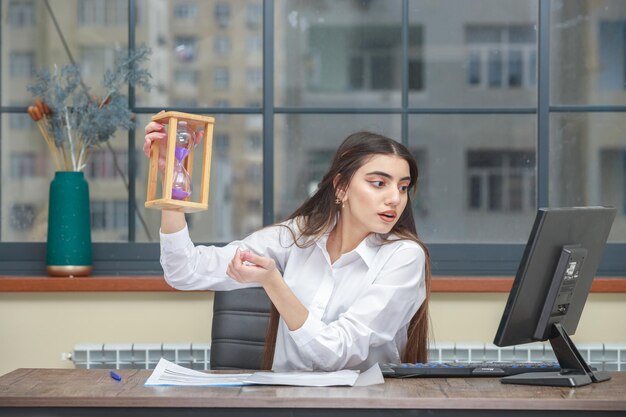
<point x="551" y="286"/>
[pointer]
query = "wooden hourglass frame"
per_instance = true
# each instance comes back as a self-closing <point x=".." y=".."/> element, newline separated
<point x="166" y="202"/>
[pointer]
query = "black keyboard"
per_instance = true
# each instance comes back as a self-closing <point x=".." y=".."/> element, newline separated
<point x="460" y="369"/>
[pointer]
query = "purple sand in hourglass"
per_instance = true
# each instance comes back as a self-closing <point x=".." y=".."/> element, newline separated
<point x="178" y="194"/>
<point x="181" y="153"/>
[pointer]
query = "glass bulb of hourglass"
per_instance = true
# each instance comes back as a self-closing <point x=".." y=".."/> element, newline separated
<point x="181" y="185"/>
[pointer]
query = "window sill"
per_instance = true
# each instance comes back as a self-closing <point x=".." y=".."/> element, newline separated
<point x="157" y="283"/>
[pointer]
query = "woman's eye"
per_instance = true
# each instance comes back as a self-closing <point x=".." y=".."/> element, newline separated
<point x="404" y="188"/>
<point x="377" y="184"/>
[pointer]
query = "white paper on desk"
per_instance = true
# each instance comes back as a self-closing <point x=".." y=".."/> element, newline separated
<point x="319" y="379"/>
<point x="168" y="373"/>
<point x="304" y="379"/>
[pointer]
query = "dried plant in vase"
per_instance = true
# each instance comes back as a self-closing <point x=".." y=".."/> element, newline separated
<point x="72" y="121"/>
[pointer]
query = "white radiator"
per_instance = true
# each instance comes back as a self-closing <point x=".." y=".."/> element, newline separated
<point x="607" y="357"/>
<point x="140" y="355"/>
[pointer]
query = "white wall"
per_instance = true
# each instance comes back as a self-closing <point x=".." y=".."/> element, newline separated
<point x="36" y="328"/>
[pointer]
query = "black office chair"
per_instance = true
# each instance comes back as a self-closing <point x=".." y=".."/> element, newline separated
<point x="239" y="323"/>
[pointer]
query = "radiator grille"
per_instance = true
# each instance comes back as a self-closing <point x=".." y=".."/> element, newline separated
<point x="603" y="356"/>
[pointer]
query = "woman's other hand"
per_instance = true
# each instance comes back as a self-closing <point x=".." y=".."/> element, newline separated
<point x="247" y="267"/>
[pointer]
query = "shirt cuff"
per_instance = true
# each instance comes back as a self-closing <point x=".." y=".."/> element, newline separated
<point x="309" y="330"/>
<point x="177" y="240"/>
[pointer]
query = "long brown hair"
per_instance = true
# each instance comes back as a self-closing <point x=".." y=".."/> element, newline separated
<point x="316" y="215"/>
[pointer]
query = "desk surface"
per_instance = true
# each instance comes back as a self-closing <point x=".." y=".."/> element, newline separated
<point x="50" y="388"/>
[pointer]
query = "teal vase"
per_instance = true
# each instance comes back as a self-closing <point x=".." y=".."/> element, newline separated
<point x="68" y="249"/>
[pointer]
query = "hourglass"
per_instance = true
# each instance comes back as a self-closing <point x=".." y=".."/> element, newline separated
<point x="177" y="177"/>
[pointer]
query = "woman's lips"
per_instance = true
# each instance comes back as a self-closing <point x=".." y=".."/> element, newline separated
<point x="387" y="216"/>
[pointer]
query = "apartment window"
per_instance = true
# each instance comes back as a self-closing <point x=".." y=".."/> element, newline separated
<point x="221" y="78"/>
<point x="373" y="57"/>
<point x="501" y="180"/>
<point x="365" y="67"/>
<point x="186" y="48"/>
<point x="254" y="142"/>
<point x="109" y="215"/>
<point x="186" y="76"/>
<point x="27" y="164"/>
<point x="221" y="143"/>
<point x="222" y="14"/>
<point x="102" y="164"/>
<point x="222" y="45"/>
<point x="501" y="56"/>
<point x="102" y="13"/>
<point x="21" y="64"/>
<point x="254" y="15"/>
<point x="22" y="216"/>
<point x="21" y="13"/>
<point x="254" y="206"/>
<point x="254" y="173"/>
<point x="254" y="45"/>
<point x="186" y="11"/>
<point x="254" y="78"/>
<point x="612" y="54"/>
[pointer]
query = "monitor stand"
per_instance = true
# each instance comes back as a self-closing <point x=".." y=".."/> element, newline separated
<point x="575" y="371"/>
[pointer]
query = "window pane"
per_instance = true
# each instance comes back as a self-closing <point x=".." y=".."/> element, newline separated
<point x="236" y="187"/>
<point x="477" y="56"/>
<point x="479" y="176"/>
<point x="336" y="54"/>
<point x="218" y="42"/>
<point x="25" y="165"/>
<point x="587" y="163"/>
<point x="588" y="52"/>
<point x="304" y="146"/>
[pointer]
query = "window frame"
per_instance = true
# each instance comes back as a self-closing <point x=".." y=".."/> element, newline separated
<point x="472" y="259"/>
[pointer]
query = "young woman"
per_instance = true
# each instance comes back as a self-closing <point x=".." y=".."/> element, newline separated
<point x="345" y="272"/>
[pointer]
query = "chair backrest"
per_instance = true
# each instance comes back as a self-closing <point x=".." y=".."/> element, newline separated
<point x="239" y="323"/>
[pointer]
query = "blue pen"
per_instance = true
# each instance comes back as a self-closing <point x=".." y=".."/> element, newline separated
<point x="115" y="376"/>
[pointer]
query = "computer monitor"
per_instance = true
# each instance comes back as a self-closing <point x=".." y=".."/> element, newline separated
<point x="550" y="289"/>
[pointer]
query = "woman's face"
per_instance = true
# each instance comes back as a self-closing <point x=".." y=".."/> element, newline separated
<point x="376" y="195"/>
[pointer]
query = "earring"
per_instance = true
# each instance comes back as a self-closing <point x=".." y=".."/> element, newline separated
<point x="338" y="201"/>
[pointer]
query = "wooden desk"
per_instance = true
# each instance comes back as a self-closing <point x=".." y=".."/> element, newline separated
<point x="80" y="392"/>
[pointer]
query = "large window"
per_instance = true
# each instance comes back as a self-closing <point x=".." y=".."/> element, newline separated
<point x="502" y="120"/>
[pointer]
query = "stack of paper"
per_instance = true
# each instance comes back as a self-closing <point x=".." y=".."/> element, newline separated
<point x="168" y="373"/>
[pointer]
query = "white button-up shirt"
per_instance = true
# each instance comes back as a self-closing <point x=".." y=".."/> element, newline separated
<point x="359" y="307"/>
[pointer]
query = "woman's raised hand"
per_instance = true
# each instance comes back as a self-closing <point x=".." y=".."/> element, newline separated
<point x="155" y="132"/>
